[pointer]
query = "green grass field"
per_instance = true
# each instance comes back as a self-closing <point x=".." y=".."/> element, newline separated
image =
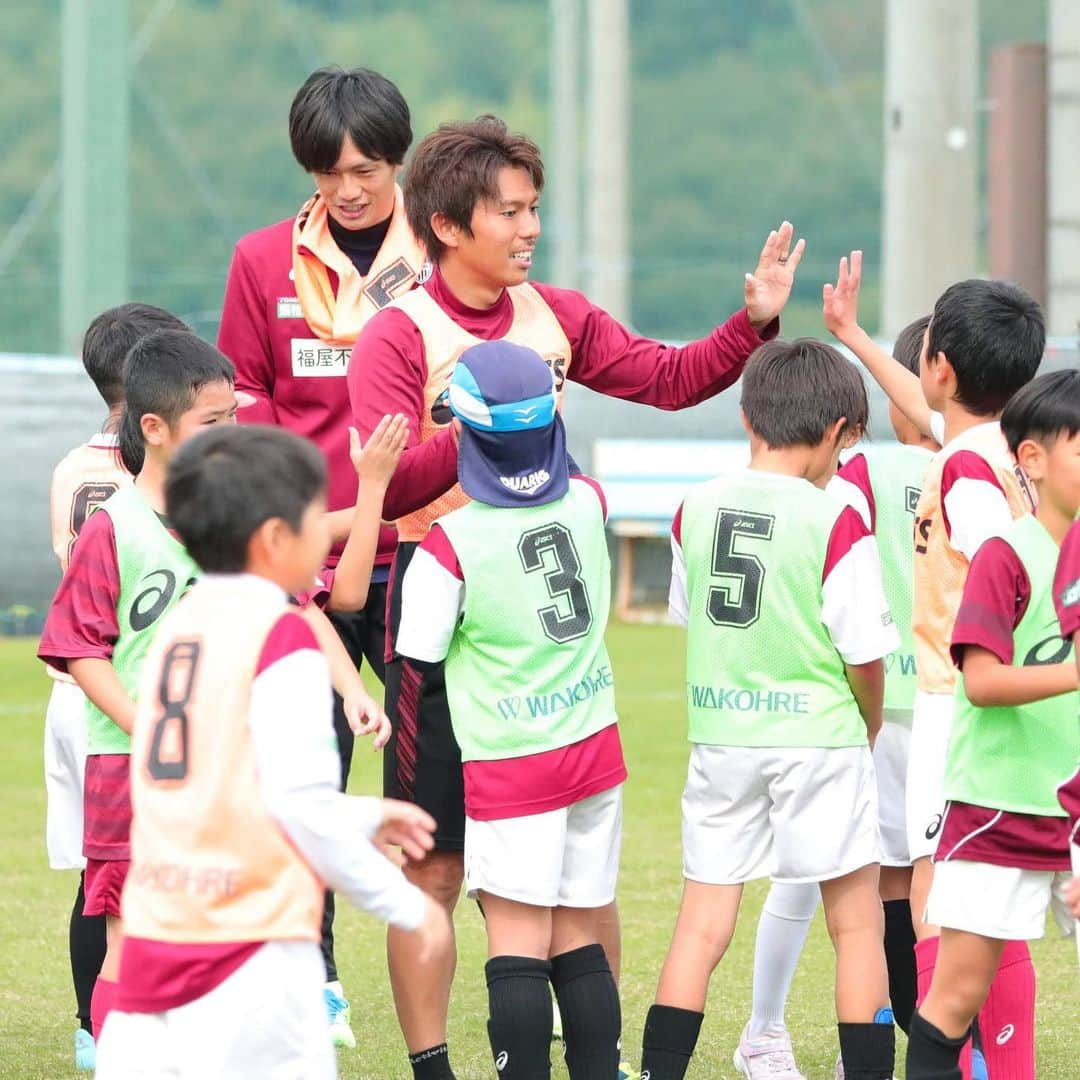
<point x="37" y="1004"/>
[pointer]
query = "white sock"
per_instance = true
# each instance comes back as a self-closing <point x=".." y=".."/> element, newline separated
<point x="781" y="934"/>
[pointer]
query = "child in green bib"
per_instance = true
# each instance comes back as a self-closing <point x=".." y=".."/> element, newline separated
<point x="779" y="586"/>
<point x="127" y="570"/>
<point x="513" y="591"/>
<point x="882" y="482"/>
<point x="1004" y="846"/>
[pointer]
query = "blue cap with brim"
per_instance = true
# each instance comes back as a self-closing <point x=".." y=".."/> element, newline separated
<point x="513" y="444"/>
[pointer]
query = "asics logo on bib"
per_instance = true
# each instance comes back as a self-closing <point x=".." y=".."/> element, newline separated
<point x="501" y="1060"/>
<point x="1005" y="1034"/>
<point x="934" y="827"/>
<point x="1051" y="650"/>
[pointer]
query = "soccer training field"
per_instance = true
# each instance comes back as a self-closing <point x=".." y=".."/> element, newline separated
<point x="36" y="1017"/>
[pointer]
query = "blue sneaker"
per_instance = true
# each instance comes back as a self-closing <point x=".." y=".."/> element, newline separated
<point x="339" y="1015"/>
<point x="85" y="1050"/>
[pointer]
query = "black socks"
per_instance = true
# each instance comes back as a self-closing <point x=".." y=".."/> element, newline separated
<point x="86" y="944"/>
<point x="519" y="1007"/>
<point x="868" y="1050"/>
<point x="931" y="1055"/>
<point x="900" y="960"/>
<point x="670" y="1037"/>
<point x="589" y="1004"/>
<point x="432" y="1064"/>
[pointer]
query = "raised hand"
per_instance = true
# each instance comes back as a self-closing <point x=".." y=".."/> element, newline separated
<point x="376" y="460"/>
<point x="840" y="302"/>
<point x="767" y="289"/>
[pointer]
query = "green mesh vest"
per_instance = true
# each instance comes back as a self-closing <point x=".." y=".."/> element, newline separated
<point x="896" y="476"/>
<point x="761" y="669"/>
<point x="527" y="670"/>
<point x="1015" y="758"/>
<point x="155" y="570"/>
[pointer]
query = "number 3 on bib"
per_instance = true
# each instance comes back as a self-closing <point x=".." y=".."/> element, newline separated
<point x="551" y="549"/>
<point x="737" y="602"/>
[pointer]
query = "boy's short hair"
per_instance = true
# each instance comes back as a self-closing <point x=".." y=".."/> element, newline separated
<point x="909" y="343"/>
<point x="794" y="391"/>
<point x="993" y="335"/>
<point x="1044" y="410"/>
<point x="359" y="103"/>
<point x="163" y="373"/>
<point x="225" y="483"/>
<point x="109" y="338"/>
<point x="456" y="167"/>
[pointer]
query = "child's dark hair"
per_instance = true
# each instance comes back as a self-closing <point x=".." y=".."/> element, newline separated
<point x="109" y="339"/>
<point x="993" y="335"/>
<point x="163" y="373"/>
<point x="908" y="346"/>
<point x="223" y="484"/>
<point x="794" y="391"/>
<point x="360" y="103"/>
<point x="1044" y="410"/>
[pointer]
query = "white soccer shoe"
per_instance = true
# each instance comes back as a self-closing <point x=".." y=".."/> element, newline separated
<point x="768" y="1058"/>
<point x="840" y="1068"/>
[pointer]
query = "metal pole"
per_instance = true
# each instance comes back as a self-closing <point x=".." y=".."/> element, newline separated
<point x="93" y="163"/>
<point x="607" y="226"/>
<point x="566" y="180"/>
<point x="929" y="203"/>
<point x="1063" y="168"/>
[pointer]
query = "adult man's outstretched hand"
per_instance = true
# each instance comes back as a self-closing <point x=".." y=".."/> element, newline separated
<point x="767" y="289"/>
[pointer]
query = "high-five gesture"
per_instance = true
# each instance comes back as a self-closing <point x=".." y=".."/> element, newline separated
<point x="840" y="302"/>
<point x="767" y="289"/>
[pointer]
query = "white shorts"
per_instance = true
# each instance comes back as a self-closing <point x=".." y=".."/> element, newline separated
<point x="790" y="813"/>
<point x="266" y="1021"/>
<point x="999" y="902"/>
<point x="930" y="729"/>
<point x="560" y="858"/>
<point x="890" y="764"/>
<point x="65" y="769"/>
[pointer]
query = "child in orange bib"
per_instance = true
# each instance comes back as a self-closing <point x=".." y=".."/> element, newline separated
<point x="238" y="821"/>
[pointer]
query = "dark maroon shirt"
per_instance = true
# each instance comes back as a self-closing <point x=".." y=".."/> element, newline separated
<point x="388" y="371"/>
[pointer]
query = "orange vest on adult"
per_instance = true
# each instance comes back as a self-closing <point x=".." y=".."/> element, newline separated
<point x="208" y="863"/>
<point x="337" y="318"/>
<point x="534" y="325"/>
<point x="941" y="570"/>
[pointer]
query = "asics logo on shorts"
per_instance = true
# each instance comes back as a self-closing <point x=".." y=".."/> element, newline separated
<point x="1005" y="1034"/>
<point x="501" y="1060"/>
<point x="934" y="827"/>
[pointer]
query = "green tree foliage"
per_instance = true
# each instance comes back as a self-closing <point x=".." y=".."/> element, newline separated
<point x="742" y="114"/>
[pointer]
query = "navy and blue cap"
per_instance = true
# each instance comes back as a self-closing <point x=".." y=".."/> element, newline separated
<point x="513" y="444"/>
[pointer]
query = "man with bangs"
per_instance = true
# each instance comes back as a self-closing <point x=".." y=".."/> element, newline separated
<point x="471" y="196"/>
<point x="298" y="293"/>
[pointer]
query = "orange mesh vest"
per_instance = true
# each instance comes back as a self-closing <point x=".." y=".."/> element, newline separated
<point x="82" y="481"/>
<point x="941" y="570"/>
<point x="208" y="863"/>
<point x="534" y="325"/>
<point x="338" y="318"/>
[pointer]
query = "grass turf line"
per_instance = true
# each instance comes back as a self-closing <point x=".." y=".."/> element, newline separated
<point x="37" y="1002"/>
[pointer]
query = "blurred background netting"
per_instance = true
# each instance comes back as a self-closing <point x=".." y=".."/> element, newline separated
<point x="740" y="114"/>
